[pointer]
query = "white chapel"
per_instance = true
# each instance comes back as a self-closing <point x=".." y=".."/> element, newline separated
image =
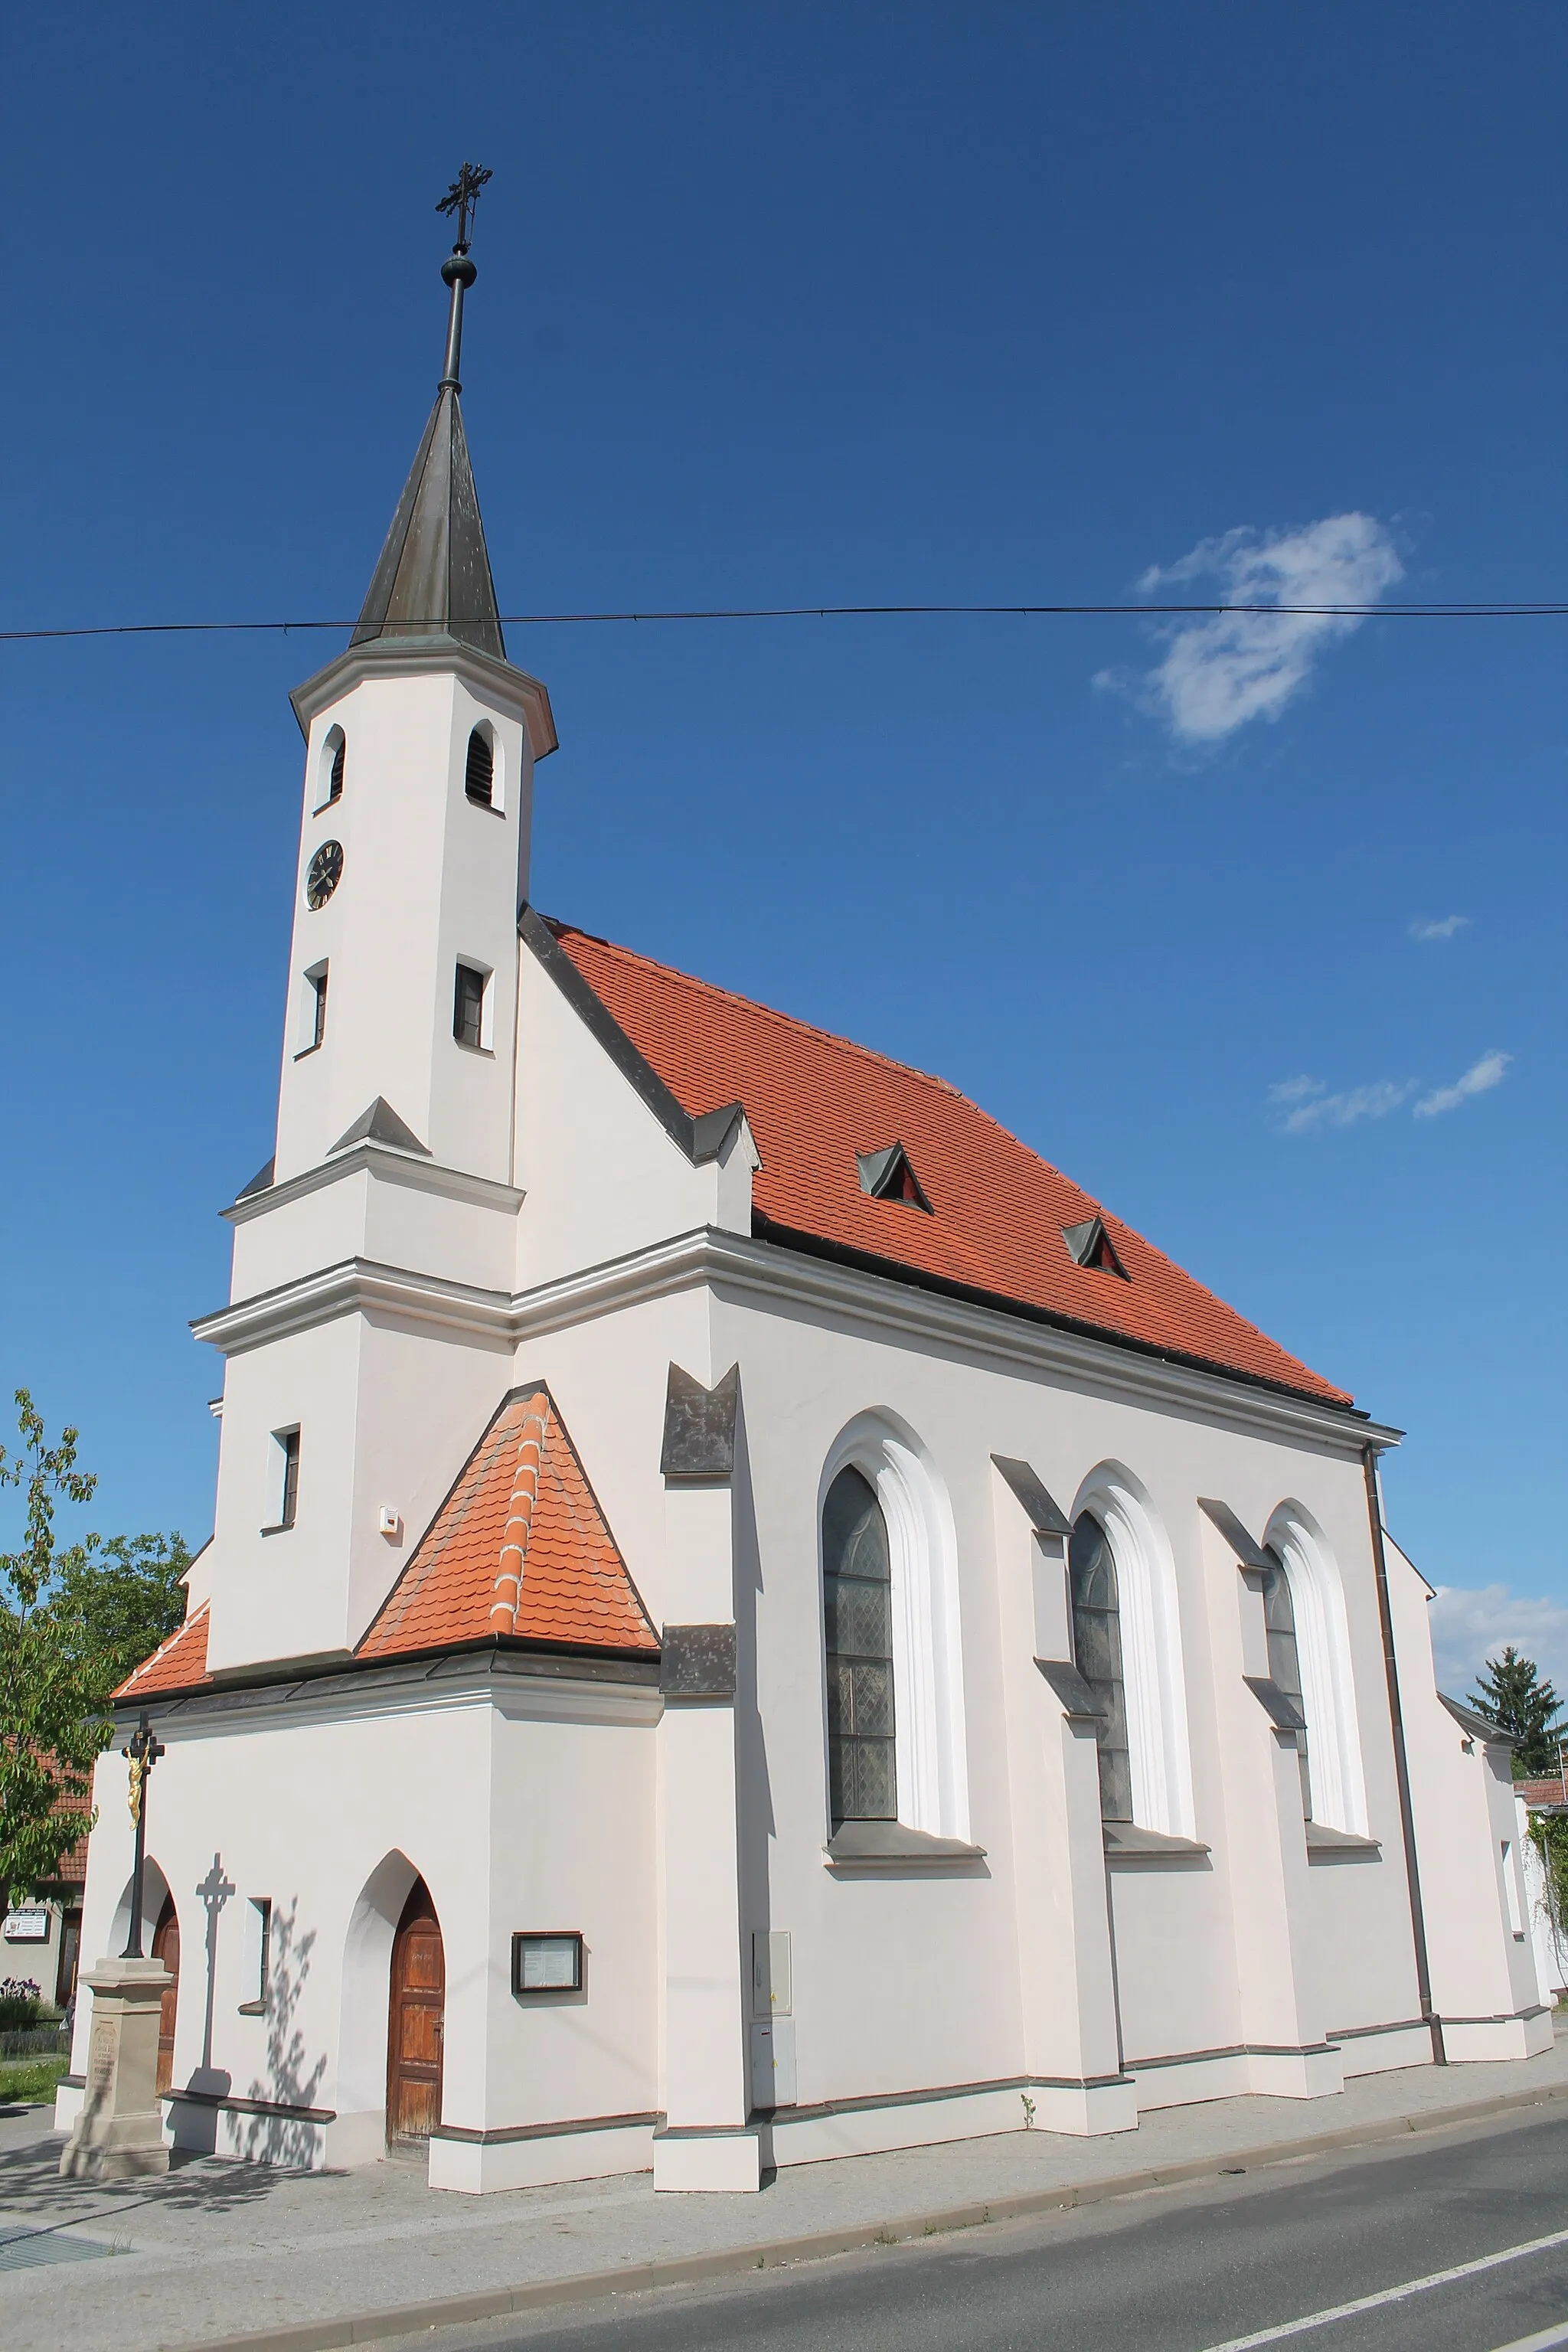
<point x="749" y="1617"/>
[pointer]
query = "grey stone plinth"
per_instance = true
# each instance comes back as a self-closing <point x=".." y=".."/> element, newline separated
<point x="119" y="2131"/>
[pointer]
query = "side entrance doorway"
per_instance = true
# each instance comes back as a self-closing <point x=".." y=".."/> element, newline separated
<point x="414" y="2023"/>
<point x="166" y="1947"/>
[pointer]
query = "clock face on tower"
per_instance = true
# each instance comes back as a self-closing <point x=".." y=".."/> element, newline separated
<point x="324" y="874"/>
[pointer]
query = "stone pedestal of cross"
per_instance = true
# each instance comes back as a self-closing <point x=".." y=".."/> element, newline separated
<point x="119" y="2131"/>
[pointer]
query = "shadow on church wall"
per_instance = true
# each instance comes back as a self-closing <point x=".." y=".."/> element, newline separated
<point x="291" y="2080"/>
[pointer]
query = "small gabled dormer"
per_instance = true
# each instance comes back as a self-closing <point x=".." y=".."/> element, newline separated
<point x="1089" y="1246"/>
<point x="888" y="1175"/>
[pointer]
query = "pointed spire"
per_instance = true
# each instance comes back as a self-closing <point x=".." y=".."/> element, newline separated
<point x="434" y="576"/>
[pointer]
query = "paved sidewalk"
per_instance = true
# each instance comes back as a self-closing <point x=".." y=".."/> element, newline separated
<point x="221" y="2249"/>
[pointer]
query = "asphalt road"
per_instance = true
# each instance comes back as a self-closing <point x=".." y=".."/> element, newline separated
<point x="1236" y="2262"/>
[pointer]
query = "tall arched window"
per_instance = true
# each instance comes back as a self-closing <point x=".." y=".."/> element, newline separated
<point x="1097" y="1642"/>
<point x="1285" y="1660"/>
<point x="857" y="1606"/>
<point x="1308" y="1595"/>
<point x="1145" y="1765"/>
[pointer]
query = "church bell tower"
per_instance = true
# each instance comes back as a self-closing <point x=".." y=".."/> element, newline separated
<point x="389" y="1204"/>
<point x="420" y="745"/>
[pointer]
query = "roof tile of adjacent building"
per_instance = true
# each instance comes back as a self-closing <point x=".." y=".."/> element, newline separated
<point x="997" y="1210"/>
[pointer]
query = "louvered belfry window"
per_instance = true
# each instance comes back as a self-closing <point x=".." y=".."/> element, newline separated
<point x="1285" y="1660"/>
<point x="1096" y="1642"/>
<point x="336" y="782"/>
<point x="480" y="778"/>
<point x="857" y="1605"/>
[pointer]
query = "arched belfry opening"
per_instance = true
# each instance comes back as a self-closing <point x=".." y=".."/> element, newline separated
<point x="415" y="2023"/>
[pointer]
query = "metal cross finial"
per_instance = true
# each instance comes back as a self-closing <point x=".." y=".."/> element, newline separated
<point x="461" y="197"/>
<point x="142" y="1751"/>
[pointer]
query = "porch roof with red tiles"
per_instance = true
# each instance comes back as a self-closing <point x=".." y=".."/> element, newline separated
<point x="178" y="1663"/>
<point x="997" y="1211"/>
<point x="518" y="1550"/>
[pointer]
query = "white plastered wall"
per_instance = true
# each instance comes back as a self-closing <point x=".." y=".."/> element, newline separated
<point x="388" y="1411"/>
<point x="428" y="878"/>
<point x="531" y="1813"/>
<point x="1483" y="1975"/>
<point x="602" y="1177"/>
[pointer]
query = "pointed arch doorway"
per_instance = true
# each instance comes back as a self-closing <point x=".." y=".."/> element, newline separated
<point x="166" y="1947"/>
<point x="415" y="2021"/>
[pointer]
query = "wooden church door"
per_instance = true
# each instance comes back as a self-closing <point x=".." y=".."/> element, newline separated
<point x="166" y="1947"/>
<point x="415" y="2021"/>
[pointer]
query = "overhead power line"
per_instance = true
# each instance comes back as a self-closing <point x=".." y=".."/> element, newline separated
<point x="1460" y="611"/>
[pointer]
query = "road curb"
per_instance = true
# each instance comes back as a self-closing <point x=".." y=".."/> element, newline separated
<point x="820" y="2245"/>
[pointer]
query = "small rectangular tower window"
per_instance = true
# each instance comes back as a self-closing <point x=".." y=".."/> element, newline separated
<point x="284" y="1480"/>
<point x="469" y="1008"/>
<point x="319" y="1018"/>
<point x="286" y="1517"/>
<point x="257" y="1953"/>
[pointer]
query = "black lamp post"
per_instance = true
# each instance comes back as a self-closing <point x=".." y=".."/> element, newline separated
<point x="142" y="1750"/>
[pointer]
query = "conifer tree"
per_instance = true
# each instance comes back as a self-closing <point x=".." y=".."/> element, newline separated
<point x="1513" y="1697"/>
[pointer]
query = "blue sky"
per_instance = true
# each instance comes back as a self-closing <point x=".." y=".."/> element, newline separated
<point x="1259" y="938"/>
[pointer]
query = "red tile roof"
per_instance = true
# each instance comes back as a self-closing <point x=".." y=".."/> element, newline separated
<point x="1548" y="1791"/>
<point x="814" y="1101"/>
<point x="519" y="1548"/>
<point x="72" y="1867"/>
<point x="178" y="1663"/>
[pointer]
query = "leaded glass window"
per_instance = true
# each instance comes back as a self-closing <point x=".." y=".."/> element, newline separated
<point x="468" y="1006"/>
<point x="1096" y="1642"/>
<point x="1285" y="1660"/>
<point x="858" y="1607"/>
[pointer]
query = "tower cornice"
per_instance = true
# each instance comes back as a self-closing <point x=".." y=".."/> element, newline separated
<point x="522" y="697"/>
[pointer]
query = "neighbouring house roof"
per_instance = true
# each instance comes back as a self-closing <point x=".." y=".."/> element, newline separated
<point x="72" y="1869"/>
<point x="519" y="1552"/>
<point x="1537" y="1793"/>
<point x="993" y="1219"/>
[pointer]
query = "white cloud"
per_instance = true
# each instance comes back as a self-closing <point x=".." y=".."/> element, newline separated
<point x="1443" y="928"/>
<point x="1375" y="1101"/>
<point x="1470" y="1624"/>
<point x="1307" y="1102"/>
<point x="1226" y="668"/>
<point x="1290" y="1090"/>
<point x="1479" y="1080"/>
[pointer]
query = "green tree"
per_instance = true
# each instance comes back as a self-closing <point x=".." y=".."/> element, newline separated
<point x="72" y="1624"/>
<point x="128" y="1594"/>
<point x="1513" y="1697"/>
